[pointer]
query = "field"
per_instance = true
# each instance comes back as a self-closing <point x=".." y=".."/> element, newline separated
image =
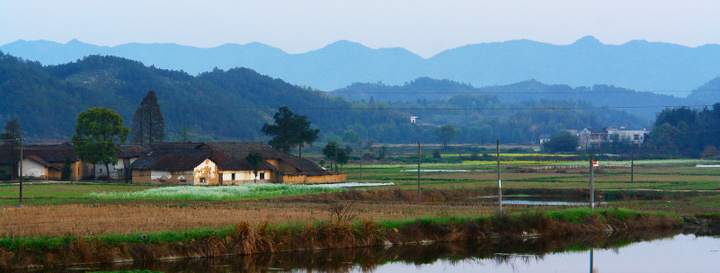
<point x="59" y="209"/>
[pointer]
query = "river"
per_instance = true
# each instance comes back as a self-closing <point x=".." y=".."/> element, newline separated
<point x="656" y="251"/>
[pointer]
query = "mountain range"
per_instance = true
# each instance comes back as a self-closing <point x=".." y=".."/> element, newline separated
<point x="635" y="65"/>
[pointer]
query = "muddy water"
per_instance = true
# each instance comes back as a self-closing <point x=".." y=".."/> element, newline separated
<point x="664" y="251"/>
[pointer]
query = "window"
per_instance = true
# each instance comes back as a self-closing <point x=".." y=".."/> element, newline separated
<point x="202" y="180"/>
<point x="262" y="175"/>
<point x="233" y="177"/>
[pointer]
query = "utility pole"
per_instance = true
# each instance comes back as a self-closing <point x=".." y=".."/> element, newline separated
<point x="22" y="151"/>
<point x="592" y="181"/>
<point x="419" y="161"/>
<point x="361" y="169"/>
<point x="500" y="207"/>
<point x="632" y="164"/>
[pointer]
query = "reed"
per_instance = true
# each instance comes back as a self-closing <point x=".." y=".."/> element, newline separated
<point x="246" y="238"/>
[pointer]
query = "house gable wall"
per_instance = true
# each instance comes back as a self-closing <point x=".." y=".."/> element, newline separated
<point x="282" y="166"/>
<point x="206" y="173"/>
<point x="31" y="168"/>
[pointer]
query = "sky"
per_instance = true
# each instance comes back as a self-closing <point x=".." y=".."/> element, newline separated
<point x="425" y="27"/>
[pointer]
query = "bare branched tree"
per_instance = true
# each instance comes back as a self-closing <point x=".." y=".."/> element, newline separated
<point x="342" y="211"/>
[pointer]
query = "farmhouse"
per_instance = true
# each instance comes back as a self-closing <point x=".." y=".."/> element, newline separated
<point x="43" y="161"/>
<point x="127" y="154"/>
<point x="595" y="137"/>
<point x="224" y="163"/>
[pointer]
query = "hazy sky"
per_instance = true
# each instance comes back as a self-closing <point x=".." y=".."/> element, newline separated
<point x="425" y="27"/>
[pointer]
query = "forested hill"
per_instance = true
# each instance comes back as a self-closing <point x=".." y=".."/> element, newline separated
<point x="709" y="91"/>
<point x="427" y="89"/>
<point x="218" y="105"/>
<point x="234" y="104"/>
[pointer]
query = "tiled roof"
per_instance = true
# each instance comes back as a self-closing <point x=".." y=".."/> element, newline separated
<point x="42" y="162"/>
<point x="44" y="154"/>
<point x="133" y="151"/>
<point x="240" y="150"/>
<point x="227" y="155"/>
<point x="172" y="157"/>
<point x="55" y="153"/>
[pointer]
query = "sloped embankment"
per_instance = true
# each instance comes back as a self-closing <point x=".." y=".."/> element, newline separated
<point x="244" y="238"/>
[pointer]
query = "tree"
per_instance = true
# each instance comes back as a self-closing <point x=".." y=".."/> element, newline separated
<point x="351" y="136"/>
<point x="98" y="134"/>
<point x="12" y="135"/>
<point x="148" y="125"/>
<point x="255" y="159"/>
<point x="663" y="139"/>
<point x="563" y="141"/>
<point x="336" y="155"/>
<point x="184" y="134"/>
<point x="290" y="130"/>
<point x="13" y="130"/>
<point x="446" y="134"/>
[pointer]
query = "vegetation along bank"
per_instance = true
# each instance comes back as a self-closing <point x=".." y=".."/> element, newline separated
<point x="244" y="238"/>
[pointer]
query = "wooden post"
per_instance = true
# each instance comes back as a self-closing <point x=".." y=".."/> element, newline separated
<point x="361" y="168"/>
<point x="22" y="152"/>
<point x="500" y="206"/>
<point x="592" y="182"/>
<point x="419" y="161"/>
<point x="632" y="164"/>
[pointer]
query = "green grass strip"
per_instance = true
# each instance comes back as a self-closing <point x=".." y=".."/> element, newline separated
<point x="248" y="191"/>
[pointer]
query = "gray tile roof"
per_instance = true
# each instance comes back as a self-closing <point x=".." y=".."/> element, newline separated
<point x="227" y="155"/>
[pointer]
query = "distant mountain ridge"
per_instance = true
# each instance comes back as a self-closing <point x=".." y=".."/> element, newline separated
<point x="641" y="103"/>
<point x="638" y="65"/>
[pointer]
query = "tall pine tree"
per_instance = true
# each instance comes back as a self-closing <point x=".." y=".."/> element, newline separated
<point x="11" y="137"/>
<point x="148" y="125"/>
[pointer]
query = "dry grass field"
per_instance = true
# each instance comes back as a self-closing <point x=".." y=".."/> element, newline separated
<point x="80" y="219"/>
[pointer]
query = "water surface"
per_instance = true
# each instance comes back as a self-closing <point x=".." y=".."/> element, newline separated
<point x="656" y="251"/>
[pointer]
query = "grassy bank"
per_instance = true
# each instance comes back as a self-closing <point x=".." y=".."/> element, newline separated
<point x="245" y="238"/>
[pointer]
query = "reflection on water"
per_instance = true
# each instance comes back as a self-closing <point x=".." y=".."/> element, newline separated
<point x="665" y="251"/>
<point x="534" y="200"/>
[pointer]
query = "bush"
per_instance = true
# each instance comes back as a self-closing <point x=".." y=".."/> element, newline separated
<point x="4" y="175"/>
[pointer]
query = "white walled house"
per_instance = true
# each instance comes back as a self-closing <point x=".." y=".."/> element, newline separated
<point x="224" y="163"/>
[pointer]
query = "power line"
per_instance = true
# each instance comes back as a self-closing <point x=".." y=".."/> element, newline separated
<point x="370" y="109"/>
<point x="341" y="91"/>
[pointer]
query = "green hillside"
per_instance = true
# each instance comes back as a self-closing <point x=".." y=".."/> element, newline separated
<point x="232" y="105"/>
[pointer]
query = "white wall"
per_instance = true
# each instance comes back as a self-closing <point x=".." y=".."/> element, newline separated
<point x="32" y="168"/>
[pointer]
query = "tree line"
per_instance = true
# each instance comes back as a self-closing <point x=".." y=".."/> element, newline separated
<point x="677" y="132"/>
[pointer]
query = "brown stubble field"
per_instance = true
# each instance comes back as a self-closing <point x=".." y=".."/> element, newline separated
<point x="83" y="219"/>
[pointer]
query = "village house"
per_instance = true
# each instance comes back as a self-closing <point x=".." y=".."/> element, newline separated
<point x="44" y="161"/>
<point x="127" y="154"/>
<point x="47" y="162"/>
<point x="596" y="137"/>
<point x="224" y="163"/>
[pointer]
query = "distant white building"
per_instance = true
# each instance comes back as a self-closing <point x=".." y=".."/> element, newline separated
<point x="595" y="137"/>
<point x="637" y="137"/>
<point x="413" y="119"/>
